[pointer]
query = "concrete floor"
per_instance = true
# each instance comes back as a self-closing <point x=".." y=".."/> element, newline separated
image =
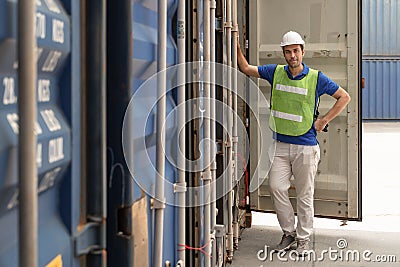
<point x="376" y="240"/>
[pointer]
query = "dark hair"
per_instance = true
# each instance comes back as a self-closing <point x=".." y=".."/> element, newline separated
<point x="301" y="45"/>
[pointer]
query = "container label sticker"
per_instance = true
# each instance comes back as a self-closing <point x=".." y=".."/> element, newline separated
<point x="181" y="29"/>
<point x="52" y="6"/>
<point x="51" y="61"/>
<point x="39" y="155"/>
<point x="48" y="180"/>
<point x="56" y="262"/>
<point x="51" y="120"/>
<point x="40" y="25"/>
<point x="43" y="90"/>
<point x="56" y="149"/>
<point x="58" y="31"/>
<point x="9" y="96"/>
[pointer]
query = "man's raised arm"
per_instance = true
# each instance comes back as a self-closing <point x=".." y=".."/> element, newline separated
<point x="244" y="66"/>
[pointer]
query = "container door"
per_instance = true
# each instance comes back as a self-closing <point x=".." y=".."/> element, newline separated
<point x="56" y="91"/>
<point x="331" y="30"/>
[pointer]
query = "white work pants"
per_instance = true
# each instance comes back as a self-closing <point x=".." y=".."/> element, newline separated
<point x="301" y="162"/>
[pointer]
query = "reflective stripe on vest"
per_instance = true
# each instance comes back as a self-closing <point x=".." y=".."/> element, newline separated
<point x="292" y="102"/>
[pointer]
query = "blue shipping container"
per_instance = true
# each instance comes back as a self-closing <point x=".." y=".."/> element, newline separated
<point x="145" y="31"/>
<point x="57" y="124"/>
<point x="381" y="28"/>
<point x="381" y="95"/>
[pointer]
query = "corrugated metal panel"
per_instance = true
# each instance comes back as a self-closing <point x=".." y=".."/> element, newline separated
<point x="381" y="27"/>
<point x="381" y="96"/>
<point x="58" y="97"/>
<point x="145" y="40"/>
<point x="145" y="30"/>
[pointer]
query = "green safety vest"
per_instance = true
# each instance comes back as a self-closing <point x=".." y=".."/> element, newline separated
<point x="292" y="102"/>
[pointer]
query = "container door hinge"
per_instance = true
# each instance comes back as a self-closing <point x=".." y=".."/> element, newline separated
<point x="90" y="239"/>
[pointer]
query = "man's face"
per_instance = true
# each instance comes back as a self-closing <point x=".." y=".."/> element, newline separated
<point x="293" y="55"/>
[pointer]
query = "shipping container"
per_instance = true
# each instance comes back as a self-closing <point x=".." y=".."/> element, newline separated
<point x="333" y="47"/>
<point x="381" y="95"/>
<point x="57" y="128"/>
<point x="144" y="163"/>
<point x="381" y="28"/>
<point x="145" y="60"/>
<point x="381" y="54"/>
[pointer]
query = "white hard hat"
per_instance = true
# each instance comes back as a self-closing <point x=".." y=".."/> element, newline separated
<point x="290" y="38"/>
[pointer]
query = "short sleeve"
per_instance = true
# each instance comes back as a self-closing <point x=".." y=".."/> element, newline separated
<point x="326" y="85"/>
<point x="266" y="72"/>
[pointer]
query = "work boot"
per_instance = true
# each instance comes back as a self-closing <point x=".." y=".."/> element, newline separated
<point x="303" y="247"/>
<point x="286" y="242"/>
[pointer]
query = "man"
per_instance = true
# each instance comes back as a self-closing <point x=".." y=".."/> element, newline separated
<point x="295" y="92"/>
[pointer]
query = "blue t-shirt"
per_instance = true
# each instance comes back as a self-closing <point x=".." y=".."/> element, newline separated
<point x="324" y="86"/>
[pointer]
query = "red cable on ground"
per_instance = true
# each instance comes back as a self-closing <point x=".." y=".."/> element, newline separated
<point x="194" y="248"/>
